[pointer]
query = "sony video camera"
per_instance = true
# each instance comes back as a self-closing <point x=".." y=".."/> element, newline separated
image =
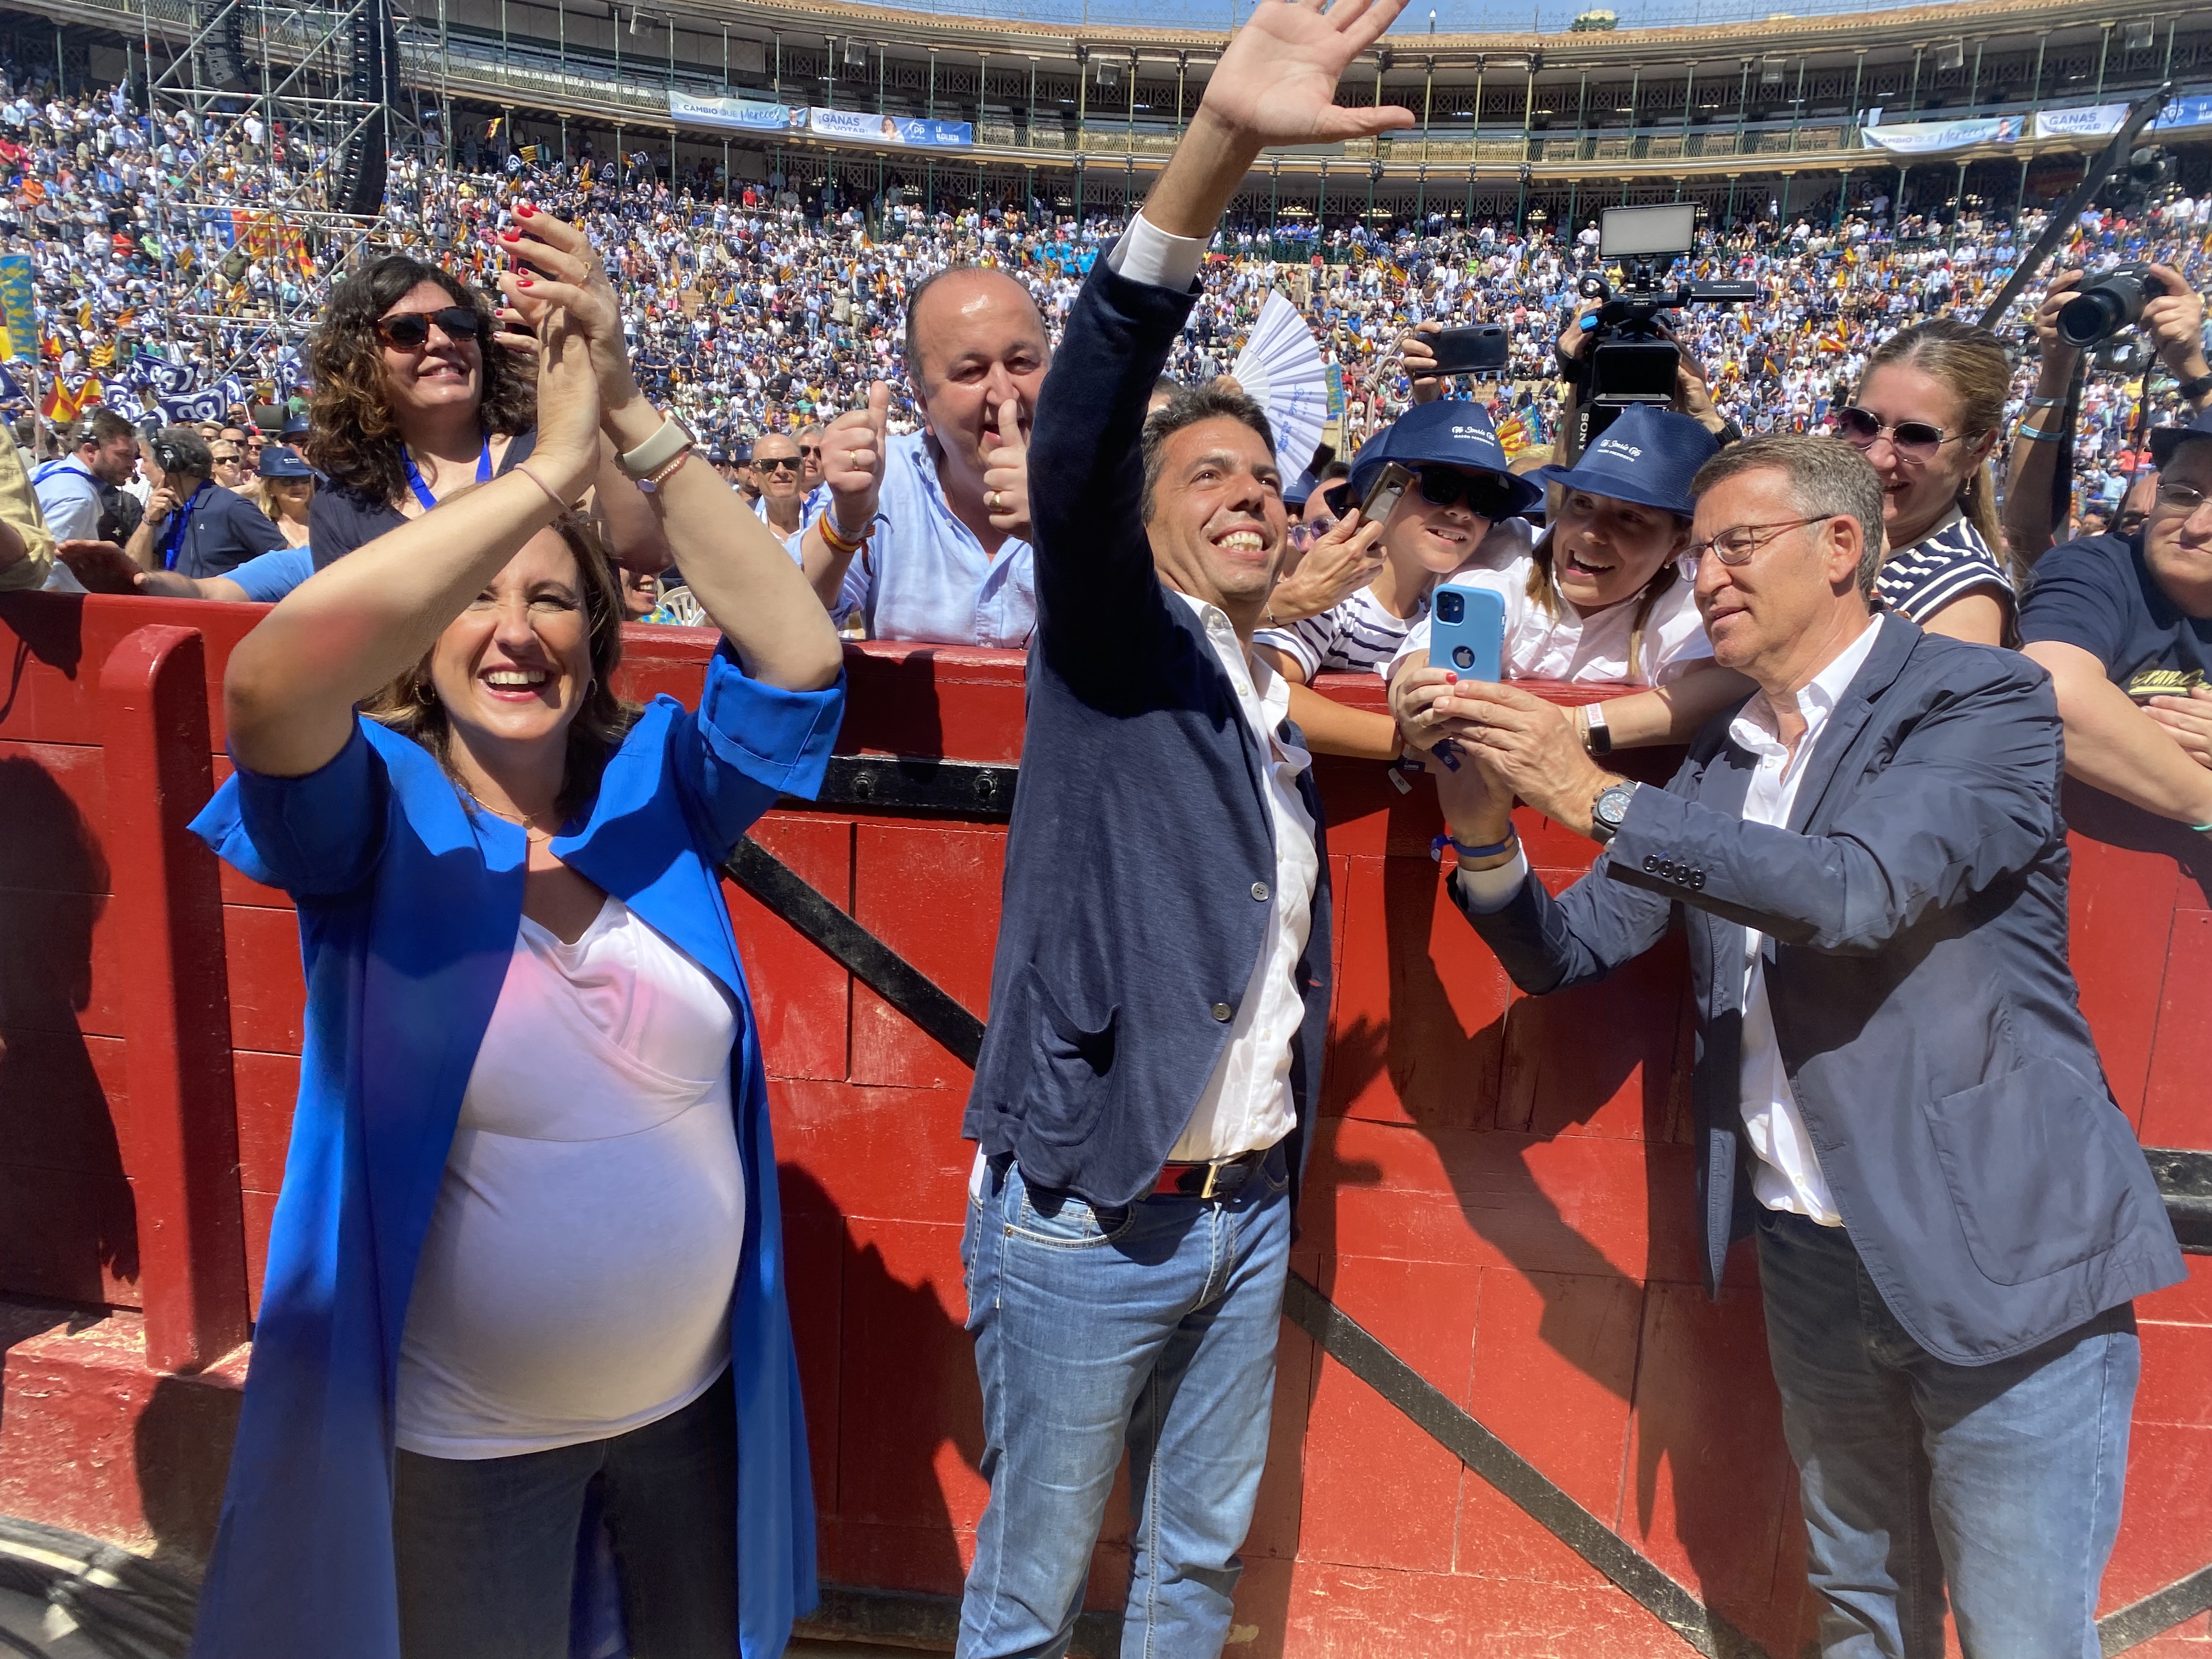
<point x="1630" y="359"/>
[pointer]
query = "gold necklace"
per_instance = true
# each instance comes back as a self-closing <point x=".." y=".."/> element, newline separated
<point x="531" y="834"/>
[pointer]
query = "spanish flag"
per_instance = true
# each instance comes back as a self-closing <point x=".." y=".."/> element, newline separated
<point x="59" y="408"/>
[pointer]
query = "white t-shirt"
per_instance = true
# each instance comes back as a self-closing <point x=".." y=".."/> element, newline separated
<point x="1563" y="644"/>
<point x="576" y="1279"/>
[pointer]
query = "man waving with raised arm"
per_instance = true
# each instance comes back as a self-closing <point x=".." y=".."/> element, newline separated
<point x="1161" y="990"/>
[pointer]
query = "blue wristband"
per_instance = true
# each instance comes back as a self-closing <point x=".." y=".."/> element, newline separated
<point x="1436" y="847"/>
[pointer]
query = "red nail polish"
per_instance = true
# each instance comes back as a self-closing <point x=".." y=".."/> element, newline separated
<point x="522" y="282"/>
<point x="510" y="236"/>
<point x="1450" y="678"/>
<point x="525" y="211"/>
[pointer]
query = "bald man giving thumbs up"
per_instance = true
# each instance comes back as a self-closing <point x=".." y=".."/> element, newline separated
<point x="927" y="534"/>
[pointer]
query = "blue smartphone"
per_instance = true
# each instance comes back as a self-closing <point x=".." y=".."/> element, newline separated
<point x="1466" y="632"/>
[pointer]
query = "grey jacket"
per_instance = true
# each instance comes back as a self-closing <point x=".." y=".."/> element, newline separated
<point x="1917" y="974"/>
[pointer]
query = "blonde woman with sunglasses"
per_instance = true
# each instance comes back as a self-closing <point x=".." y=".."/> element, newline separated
<point x="1927" y="418"/>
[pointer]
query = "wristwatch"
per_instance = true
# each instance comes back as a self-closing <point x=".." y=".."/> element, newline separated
<point x="2192" y="390"/>
<point x="1597" y="737"/>
<point x="656" y="452"/>
<point x="1609" y="809"/>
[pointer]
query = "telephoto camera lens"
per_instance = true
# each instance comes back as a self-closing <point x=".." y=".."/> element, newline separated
<point x="2107" y="305"/>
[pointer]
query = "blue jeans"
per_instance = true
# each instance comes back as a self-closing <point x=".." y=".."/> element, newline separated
<point x="1152" y="1326"/>
<point x="2001" y="1481"/>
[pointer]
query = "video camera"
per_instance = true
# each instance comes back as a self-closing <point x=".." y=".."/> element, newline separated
<point x="1631" y="361"/>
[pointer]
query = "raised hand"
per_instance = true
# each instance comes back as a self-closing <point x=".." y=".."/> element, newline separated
<point x="1340" y="564"/>
<point x="569" y="378"/>
<point x="1276" y="84"/>
<point x="2057" y="355"/>
<point x="853" y="448"/>
<point x="550" y="253"/>
<point x="1007" y="474"/>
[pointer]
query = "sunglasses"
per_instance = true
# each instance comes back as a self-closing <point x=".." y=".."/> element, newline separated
<point x="230" y="459"/>
<point x="1916" y="440"/>
<point x="781" y="464"/>
<point x="808" y="452"/>
<point x="410" y="331"/>
<point x="1486" y="495"/>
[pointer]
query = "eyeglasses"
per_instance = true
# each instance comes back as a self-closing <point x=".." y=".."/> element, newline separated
<point x="410" y="331"/>
<point x="781" y="464"/>
<point x="1486" y="495"/>
<point x="1736" y="546"/>
<point x="230" y="459"/>
<point x="1914" y="440"/>
<point x="808" y="452"/>
<point x="2174" y="496"/>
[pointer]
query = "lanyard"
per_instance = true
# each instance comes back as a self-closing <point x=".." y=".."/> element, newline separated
<point x="173" y="542"/>
<point x="423" y="490"/>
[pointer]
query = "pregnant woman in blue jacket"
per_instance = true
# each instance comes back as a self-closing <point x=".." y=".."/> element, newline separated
<point x="524" y="1290"/>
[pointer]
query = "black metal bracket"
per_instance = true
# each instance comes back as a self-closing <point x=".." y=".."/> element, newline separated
<point x="917" y="788"/>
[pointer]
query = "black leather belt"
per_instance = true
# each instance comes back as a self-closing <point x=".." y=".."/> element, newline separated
<point x="1216" y="1180"/>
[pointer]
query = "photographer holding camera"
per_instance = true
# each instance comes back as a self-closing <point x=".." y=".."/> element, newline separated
<point x="2076" y="316"/>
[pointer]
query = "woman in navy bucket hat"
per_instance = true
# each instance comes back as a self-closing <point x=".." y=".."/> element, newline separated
<point x="1460" y="487"/>
<point x="1601" y="598"/>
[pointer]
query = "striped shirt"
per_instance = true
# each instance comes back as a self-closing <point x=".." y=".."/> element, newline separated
<point x="1948" y="563"/>
<point x="1356" y="634"/>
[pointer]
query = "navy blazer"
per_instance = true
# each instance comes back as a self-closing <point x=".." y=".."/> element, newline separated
<point x="1917" y="974"/>
<point x="1141" y="832"/>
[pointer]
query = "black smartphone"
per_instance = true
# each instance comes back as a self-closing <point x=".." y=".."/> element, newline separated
<point x="1477" y="349"/>
<point x="1383" y="496"/>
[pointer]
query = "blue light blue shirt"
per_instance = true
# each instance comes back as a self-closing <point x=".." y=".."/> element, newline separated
<point x="268" y="577"/>
<point x="409" y="903"/>
<point x="925" y="576"/>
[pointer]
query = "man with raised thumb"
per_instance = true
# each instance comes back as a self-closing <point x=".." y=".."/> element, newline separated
<point x="928" y="538"/>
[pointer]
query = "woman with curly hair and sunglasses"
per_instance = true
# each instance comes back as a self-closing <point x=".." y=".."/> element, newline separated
<point x="523" y="1303"/>
<point x="1927" y="415"/>
<point x="419" y="392"/>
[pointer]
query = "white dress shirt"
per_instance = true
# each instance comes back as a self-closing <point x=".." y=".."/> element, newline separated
<point x="1787" y="1176"/>
<point x="1786" y="1173"/>
<point x="1247" y="1103"/>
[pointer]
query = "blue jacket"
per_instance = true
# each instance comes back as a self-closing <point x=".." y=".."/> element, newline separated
<point x="409" y="905"/>
<point x="1141" y="832"/>
<point x="1918" y="980"/>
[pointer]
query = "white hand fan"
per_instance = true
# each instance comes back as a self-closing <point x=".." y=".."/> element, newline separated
<point x="1281" y="370"/>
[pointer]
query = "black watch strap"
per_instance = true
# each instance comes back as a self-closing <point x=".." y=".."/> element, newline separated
<point x="2192" y="390"/>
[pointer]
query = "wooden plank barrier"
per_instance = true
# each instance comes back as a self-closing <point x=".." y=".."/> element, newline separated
<point x="1503" y="1395"/>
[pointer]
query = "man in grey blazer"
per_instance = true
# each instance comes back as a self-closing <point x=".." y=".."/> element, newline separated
<point x="1895" y="1088"/>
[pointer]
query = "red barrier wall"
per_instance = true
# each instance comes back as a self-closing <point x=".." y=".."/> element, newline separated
<point x="1500" y="1189"/>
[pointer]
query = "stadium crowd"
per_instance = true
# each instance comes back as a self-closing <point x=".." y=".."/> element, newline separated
<point x="770" y="306"/>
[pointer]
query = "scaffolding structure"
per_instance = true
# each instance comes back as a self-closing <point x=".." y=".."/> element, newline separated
<point x="309" y="96"/>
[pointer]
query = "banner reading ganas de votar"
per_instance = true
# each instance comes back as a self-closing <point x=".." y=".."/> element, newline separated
<point x="859" y="126"/>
